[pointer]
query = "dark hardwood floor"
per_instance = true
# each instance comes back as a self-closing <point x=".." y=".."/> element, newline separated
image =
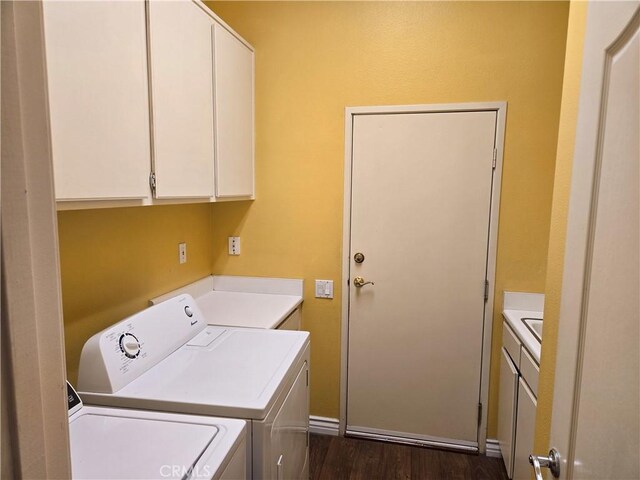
<point x="339" y="458"/>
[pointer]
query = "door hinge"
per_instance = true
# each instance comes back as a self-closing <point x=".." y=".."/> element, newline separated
<point x="495" y="158"/>
<point x="486" y="290"/>
<point x="479" y="414"/>
<point x="307" y="378"/>
<point x="152" y="181"/>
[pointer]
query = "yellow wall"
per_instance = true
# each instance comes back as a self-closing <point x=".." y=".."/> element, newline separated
<point x="557" y="237"/>
<point x="315" y="58"/>
<point x="114" y="260"/>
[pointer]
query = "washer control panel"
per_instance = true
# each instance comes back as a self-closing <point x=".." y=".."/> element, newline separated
<point x="118" y="355"/>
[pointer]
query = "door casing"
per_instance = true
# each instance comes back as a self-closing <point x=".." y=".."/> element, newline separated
<point x="500" y="108"/>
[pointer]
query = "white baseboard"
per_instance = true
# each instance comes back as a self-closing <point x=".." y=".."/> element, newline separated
<point x="493" y="448"/>
<point x="323" y="425"/>
<point x="330" y="426"/>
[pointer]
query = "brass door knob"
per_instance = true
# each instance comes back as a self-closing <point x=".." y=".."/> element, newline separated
<point x="359" y="282"/>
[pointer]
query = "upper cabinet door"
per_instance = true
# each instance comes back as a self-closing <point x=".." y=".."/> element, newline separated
<point x="99" y="101"/>
<point x="234" y="102"/>
<point x="181" y="60"/>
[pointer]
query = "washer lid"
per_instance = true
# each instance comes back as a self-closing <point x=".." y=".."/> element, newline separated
<point x="106" y="446"/>
<point x="239" y="375"/>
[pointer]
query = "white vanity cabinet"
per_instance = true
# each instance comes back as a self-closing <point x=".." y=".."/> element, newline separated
<point x="234" y="113"/>
<point x="96" y="55"/>
<point x="517" y="405"/>
<point x="181" y="79"/>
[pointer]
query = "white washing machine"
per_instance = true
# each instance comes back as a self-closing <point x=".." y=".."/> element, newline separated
<point x="113" y="443"/>
<point x="167" y="358"/>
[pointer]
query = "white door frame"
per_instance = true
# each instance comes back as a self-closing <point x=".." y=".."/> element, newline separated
<point x="350" y="112"/>
<point x="35" y="421"/>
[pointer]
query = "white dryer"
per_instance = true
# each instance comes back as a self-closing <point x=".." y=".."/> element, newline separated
<point x="118" y="443"/>
<point x="166" y="358"/>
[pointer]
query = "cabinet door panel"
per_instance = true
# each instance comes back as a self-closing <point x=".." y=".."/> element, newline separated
<point x="507" y="409"/>
<point x="525" y="430"/>
<point x="234" y="115"/>
<point x="99" y="99"/>
<point x="182" y="99"/>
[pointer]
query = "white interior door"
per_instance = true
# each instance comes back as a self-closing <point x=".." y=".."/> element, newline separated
<point x="596" y="409"/>
<point x="420" y="207"/>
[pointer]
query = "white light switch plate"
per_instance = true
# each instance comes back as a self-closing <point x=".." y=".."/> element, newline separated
<point x="234" y="245"/>
<point x="324" y="288"/>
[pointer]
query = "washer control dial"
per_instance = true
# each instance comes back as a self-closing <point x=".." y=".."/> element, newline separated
<point x="129" y="345"/>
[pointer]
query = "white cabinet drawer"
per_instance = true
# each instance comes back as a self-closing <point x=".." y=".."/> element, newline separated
<point x="511" y="343"/>
<point x="529" y="370"/>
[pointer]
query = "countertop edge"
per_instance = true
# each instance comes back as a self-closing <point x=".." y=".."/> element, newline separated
<point x="513" y="318"/>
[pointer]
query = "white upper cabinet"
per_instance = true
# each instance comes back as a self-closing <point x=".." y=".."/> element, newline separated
<point x="234" y="113"/>
<point x="137" y="88"/>
<point x="181" y="60"/>
<point x="99" y="102"/>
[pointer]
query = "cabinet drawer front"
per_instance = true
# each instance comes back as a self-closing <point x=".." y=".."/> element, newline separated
<point x="529" y="370"/>
<point x="511" y="343"/>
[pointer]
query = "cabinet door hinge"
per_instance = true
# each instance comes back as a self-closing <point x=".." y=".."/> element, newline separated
<point x="152" y="181"/>
<point x="486" y="290"/>
<point x="495" y="158"/>
<point x="307" y="378"/>
<point x="479" y="414"/>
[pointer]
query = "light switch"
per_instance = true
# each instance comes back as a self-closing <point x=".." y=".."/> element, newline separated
<point x="324" y="288"/>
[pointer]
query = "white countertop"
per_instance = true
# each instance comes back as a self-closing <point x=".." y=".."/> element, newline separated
<point x="254" y="302"/>
<point x="524" y="305"/>
<point x="239" y="309"/>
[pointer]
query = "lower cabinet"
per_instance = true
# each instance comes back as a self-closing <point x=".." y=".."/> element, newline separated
<point x="508" y="398"/>
<point x="292" y="322"/>
<point x="517" y="406"/>
<point x="525" y="430"/>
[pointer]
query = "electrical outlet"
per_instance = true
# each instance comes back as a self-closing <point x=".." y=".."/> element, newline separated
<point x="182" y="252"/>
<point x="234" y="245"/>
<point x="324" y="288"/>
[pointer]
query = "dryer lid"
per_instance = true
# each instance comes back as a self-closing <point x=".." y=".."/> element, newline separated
<point x="117" y="447"/>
